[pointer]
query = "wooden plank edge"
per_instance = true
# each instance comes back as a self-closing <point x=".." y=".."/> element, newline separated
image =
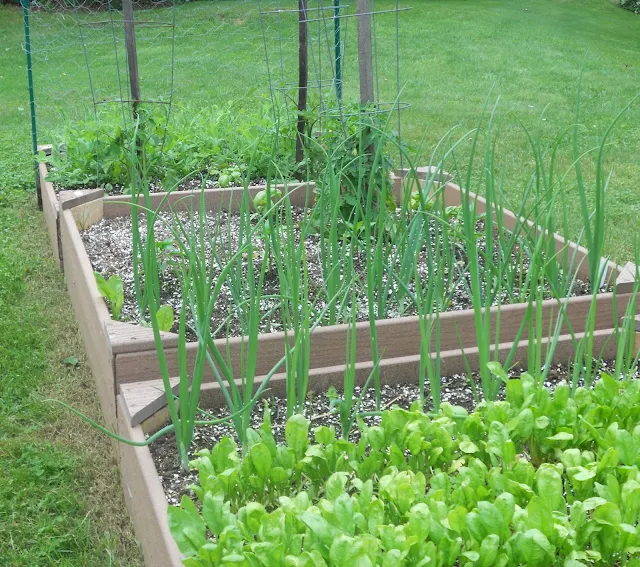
<point x="74" y="198"/>
<point x="393" y="371"/>
<point x="131" y="337"/>
<point x="625" y="282"/>
<point x="398" y="337"/>
<point x="50" y="210"/>
<point x="145" y="498"/>
<point x="91" y="313"/>
<point x="46" y="149"/>
<point x="226" y="198"/>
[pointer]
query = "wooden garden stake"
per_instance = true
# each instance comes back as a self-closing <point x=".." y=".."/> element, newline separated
<point x="132" y="54"/>
<point x="365" y="51"/>
<point x="365" y="65"/>
<point x="134" y="77"/>
<point x="303" y="77"/>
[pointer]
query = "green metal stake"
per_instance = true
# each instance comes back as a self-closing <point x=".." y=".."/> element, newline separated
<point x="338" y="47"/>
<point x="32" y="102"/>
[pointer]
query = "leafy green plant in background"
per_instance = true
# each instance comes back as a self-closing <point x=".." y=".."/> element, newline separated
<point x="217" y="142"/>
<point x="352" y="150"/>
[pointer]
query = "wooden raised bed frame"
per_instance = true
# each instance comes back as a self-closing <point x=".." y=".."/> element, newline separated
<point x="123" y="356"/>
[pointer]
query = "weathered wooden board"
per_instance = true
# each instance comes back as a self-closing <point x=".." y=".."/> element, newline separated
<point x="91" y="312"/>
<point x="145" y="499"/>
<point x="144" y="400"/>
<point x="50" y="210"/>
<point x="396" y="337"/>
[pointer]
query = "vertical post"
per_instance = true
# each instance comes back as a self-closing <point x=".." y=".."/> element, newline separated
<point x="132" y="54"/>
<point x="338" y="47"/>
<point x="32" y="102"/>
<point x="303" y="76"/>
<point x="365" y="51"/>
<point x="134" y="83"/>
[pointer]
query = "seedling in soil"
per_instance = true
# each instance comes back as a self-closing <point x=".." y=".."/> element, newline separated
<point x="112" y="291"/>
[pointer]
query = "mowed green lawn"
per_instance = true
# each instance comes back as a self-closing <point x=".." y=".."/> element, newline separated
<point x="55" y="501"/>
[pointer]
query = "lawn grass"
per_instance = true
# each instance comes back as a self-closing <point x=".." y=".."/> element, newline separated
<point x="59" y="498"/>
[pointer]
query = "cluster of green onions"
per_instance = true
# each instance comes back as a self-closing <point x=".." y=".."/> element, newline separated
<point x="514" y="264"/>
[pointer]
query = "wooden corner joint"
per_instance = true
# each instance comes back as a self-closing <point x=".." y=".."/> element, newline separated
<point x="73" y="198"/>
<point x="47" y="149"/>
<point x="625" y="282"/>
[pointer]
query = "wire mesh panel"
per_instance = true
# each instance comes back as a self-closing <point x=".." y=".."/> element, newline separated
<point x="189" y="55"/>
<point x="242" y="55"/>
<point x="335" y="54"/>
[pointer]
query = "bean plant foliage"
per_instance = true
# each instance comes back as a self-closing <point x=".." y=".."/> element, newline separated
<point x="538" y="479"/>
<point x="215" y="142"/>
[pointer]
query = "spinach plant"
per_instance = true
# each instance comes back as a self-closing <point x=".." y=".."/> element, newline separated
<point x="112" y="290"/>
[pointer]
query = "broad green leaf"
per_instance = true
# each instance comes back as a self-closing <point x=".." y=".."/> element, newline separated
<point x="584" y="474"/>
<point x="539" y="516"/>
<point x="260" y="459"/>
<point x="334" y="486"/>
<point x="506" y="503"/>
<point x="187" y="527"/>
<point x="306" y="559"/>
<point x="319" y="526"/>
<point x="325" y="435"/>
<point x="535" y="549"/>
<point x="608" y="460"/>
<point x="515" y="394"/>
<point x="561" y="436"/>
<point x="593" y="502"/>
<point x="164" y="316"/>
<point x="278" y="475"/>
<point x="268" y="553"/>
<point x="608" y="514"/>
<point x="561" y="394"/>
<point x="571" y="458"/>
<point x="542" y="422"/>
<point x="523" y="425"/>
<point x="375" y="516"/>
<point x="215" y="512"/>
<point x="473" y="556"/>
<point x="468" y="447"/>
<point x="457" y="519"/>
<point x="342" y="551"/>
<point x="489" y="550"/>
<point x="628" y="447"/>
<point x="393" y="558"/>
<point x="251" y="515"/>
<point x="630" y="500"/>
<point x="475" y="526"/>
<point x="550" y="488"/>
<point x="112" y="291"/>
<point x="420" y="521"/>
<point x="297" y="433"/>
<point x="343" y="513"/>
<point x="497" y="370"/>
<point x="491" y="518"/>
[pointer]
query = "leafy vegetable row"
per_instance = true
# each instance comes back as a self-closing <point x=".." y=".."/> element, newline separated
<point x="537" y="479"/>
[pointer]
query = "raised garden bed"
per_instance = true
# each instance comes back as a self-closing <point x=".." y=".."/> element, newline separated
<point x="124" y="361"/>
<point x="148" y="493"/>
<point x="131" y="351"/>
